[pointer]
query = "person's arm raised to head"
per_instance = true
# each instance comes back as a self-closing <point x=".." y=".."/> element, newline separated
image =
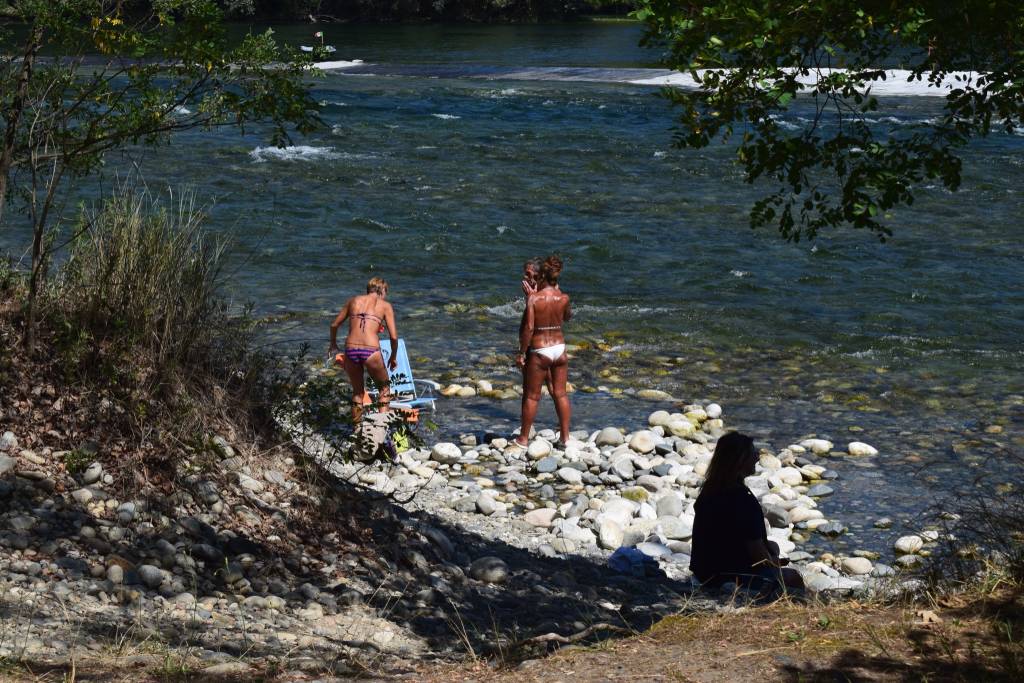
<point x="522" y="318"/>
<point x="338" y="321"/>
<point x="389" y="320"/>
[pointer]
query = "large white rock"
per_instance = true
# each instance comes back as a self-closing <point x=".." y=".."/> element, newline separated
<point x="676" y="529"/>
<point x="609" y="534"/>
<point x="653" y="395"/>
<point x="681" y="427"/>
<point x="818" y="446"/>
<point x="573" y="532"/>
<point x="713" y="410"/>
<point x="539" y="448"/>
<point x="669" y="505"/>
<point x="445" y="453"/>
<point x="820" y="583"/>
<point x="642" y="441"/>
<point x="622" y="468"/>
<point x="803" y="514"/>
<point x="8" y="442"/>
<point x="609" y="436"/>
<point x="700" y="468"/>
<point x="860" y="448"/>
<point x="570" y="475"/>
<point x="658" y="417"/>
<point x="620" y="510"/>
<point x="696" y="414"/>
<point x="908" y="545"/>
<point x="856" y="566"/>
<point x="790" y="476"/>
<point x="541" y="517"/>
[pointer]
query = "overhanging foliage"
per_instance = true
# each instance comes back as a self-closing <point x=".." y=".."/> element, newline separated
<point x="752" y="60"/>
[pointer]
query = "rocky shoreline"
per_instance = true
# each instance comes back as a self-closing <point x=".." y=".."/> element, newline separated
<point x="247" y="563"/>
<point x="613" y="488"/>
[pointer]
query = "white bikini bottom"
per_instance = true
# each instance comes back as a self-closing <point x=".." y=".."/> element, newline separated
<point x="552" y="353"/>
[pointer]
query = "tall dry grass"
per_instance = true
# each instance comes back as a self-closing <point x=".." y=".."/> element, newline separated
<point x="144" y="276"/>
<point x="139" y="308"/>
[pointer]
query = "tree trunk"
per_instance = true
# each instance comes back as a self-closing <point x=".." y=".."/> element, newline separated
<point x="13" y="117"/>
<point x="40" y="252"/>
<point x="33" y="287"/>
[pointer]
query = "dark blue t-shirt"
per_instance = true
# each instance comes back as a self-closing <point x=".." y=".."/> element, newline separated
<point x="723" y="524"/>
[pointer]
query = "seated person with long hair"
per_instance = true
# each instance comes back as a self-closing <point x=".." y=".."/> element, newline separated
<point x="729" y="538"/>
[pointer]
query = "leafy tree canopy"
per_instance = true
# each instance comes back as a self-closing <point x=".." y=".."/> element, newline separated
<point x="80" y="78"/>
<point x="753" y="59"/>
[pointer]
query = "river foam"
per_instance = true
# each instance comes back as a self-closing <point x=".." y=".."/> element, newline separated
<point x="894" y="83"/>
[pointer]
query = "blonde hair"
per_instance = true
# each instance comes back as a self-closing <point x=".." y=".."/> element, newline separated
<point x="377" y="285"/>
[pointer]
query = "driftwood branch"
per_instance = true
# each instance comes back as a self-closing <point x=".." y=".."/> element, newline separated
<point x="574" y="638"/>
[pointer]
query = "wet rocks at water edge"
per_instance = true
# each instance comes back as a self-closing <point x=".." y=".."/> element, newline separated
<point x="613" y="487"/>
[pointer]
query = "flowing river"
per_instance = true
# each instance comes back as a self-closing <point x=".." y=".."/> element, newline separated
<point x="455" y="153"/>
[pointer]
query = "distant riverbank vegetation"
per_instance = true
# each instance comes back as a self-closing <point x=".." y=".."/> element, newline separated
<point x="326" y="11"/>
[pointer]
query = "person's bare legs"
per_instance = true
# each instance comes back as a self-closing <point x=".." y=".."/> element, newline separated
<point x="534" y="374"/>
<point x="559" y="377"/>
<point x="789" y="576"/>
<point x="355" y="378"/>
<point x="379" y="373"/>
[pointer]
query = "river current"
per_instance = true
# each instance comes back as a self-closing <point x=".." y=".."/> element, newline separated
<point x="444" y="164"/>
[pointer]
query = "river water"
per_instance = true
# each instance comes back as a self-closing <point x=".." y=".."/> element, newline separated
<point x="457" y="152"/>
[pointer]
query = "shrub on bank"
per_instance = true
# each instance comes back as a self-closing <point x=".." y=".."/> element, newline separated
<point x="136" y="319"/>
<point x="142" y="279"/>
<point x="136" y="335"/>
<point x="984" y="540"/>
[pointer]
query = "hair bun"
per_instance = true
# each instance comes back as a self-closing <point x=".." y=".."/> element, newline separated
<point x="551" y="268"/>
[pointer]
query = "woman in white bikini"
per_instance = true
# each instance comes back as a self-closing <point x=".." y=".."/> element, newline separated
<point x="542" y="350"/>
<point x="368" y="315"/>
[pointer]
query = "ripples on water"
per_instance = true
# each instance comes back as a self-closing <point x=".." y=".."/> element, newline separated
<point x="445" y="185"/>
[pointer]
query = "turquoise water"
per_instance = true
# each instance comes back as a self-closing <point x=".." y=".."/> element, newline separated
<point x="444" y="176"/>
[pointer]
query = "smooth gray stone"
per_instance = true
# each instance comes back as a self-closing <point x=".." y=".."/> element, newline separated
<point x="820" y="490"/>
<point x="675" y="528"/>
<point x="580" y="504"/>
<point x="489" y="570"/>
<point x="150" y="575"/>
<point x="777" y="516"/>
<point x="831" y="529"/>
<point x="207" y="553"/>
<point x="7" y="464"/>
<point x="546" y="550"/>
<point x="881" y="570"/>
<point x="570" y="475"/>
<point x="92" y="473"/>
<point x="669" y="506"/>
<point x="663" y="469"/>
<point x="486" y="505"/>
<point x="548" y="464"/>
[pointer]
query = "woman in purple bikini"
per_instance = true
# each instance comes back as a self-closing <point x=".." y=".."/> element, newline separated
<point x="368" y="315"/>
